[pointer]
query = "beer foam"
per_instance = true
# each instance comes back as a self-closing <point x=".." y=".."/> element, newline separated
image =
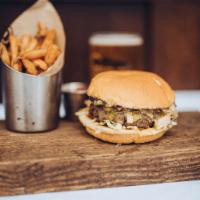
<point x="116" y="39"/>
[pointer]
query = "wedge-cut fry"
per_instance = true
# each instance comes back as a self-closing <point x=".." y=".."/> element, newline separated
<point x="4" y="54"/>
<point x="40" y="64"/>
<point x="42" y="30"/>
<point x="31" y="45"/>
<point x="13" y="47"/>
<point x="52" y="54"/>
<point x="49" y="39"/>
<point x="24" y="41"/>
<point x="31" y="55"/>
<point x="30" y="67"/>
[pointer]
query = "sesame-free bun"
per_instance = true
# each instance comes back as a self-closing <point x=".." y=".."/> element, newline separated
<point x="121" y="136"/>
<point x="132" y="89"/>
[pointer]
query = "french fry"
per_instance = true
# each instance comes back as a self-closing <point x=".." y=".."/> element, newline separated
<point x="30" y="67"/>
<point x="1" y="48"/>
<point x="51" y="35"/>
<point x="38" y="46"/>
<point x="31" y="45"/>
<point x="52" y="54"/>
<point x="35" y="54"/>
<point x="24" y="41"/>
<point x="42" y="30"/>
<point x="40" y="64"/>
<point x="17" y="66"/>
<point x="46" y="44"/>
<point x="4" y="55"/>
<point x="49" y="39"/>
<point x="13" y="48"/>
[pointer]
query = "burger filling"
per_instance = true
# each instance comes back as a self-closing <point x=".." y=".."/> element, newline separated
<point x="118" y="117"/>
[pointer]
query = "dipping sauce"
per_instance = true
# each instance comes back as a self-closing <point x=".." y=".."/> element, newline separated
<point x="74" y="95"/>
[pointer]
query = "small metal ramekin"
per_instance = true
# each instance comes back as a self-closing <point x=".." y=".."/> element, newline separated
<point x="74" y="96"/>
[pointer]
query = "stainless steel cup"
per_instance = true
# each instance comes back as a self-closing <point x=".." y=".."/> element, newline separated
<point x="31" y="102"/>
<point x="74" y="96"/>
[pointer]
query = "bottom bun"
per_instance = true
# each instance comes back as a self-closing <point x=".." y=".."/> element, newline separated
<point x="119" y="136"/>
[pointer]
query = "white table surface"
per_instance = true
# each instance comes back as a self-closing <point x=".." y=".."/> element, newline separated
<point x="190" y="190"/>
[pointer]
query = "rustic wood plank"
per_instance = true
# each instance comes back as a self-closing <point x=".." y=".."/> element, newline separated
<point x="69" y="159"/>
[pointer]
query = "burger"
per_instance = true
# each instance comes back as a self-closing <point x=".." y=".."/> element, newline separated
<point x="128" y="107"/>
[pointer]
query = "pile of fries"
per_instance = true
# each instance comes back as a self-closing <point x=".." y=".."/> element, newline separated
<point x="31" y="54"/>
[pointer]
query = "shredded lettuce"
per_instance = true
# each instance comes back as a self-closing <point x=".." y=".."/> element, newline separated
<point x="98" y="102"/>
<point x="113" y="125"/>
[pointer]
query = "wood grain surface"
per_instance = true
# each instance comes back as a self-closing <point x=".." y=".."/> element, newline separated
<point x="69" y="159"/>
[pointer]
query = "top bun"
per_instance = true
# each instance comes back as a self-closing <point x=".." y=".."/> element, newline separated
<point x="132" y="89"/>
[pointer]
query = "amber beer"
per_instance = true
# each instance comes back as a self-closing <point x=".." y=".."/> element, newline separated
<point x="115" y="51"/>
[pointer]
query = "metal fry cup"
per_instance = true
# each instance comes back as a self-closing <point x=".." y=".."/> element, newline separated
<point x="74" y="94"/>
<point x="31" y="102"/>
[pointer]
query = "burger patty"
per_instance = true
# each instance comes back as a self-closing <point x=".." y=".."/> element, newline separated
<point x="100" y="115"/>
<point x="141" y="118"/>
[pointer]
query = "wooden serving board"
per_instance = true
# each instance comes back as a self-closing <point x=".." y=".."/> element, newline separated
<point x="70" y="159"/>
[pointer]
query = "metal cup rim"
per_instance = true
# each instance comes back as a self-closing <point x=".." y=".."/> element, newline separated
<point x="73" y="91"/>
<point x="25" y="74"/>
